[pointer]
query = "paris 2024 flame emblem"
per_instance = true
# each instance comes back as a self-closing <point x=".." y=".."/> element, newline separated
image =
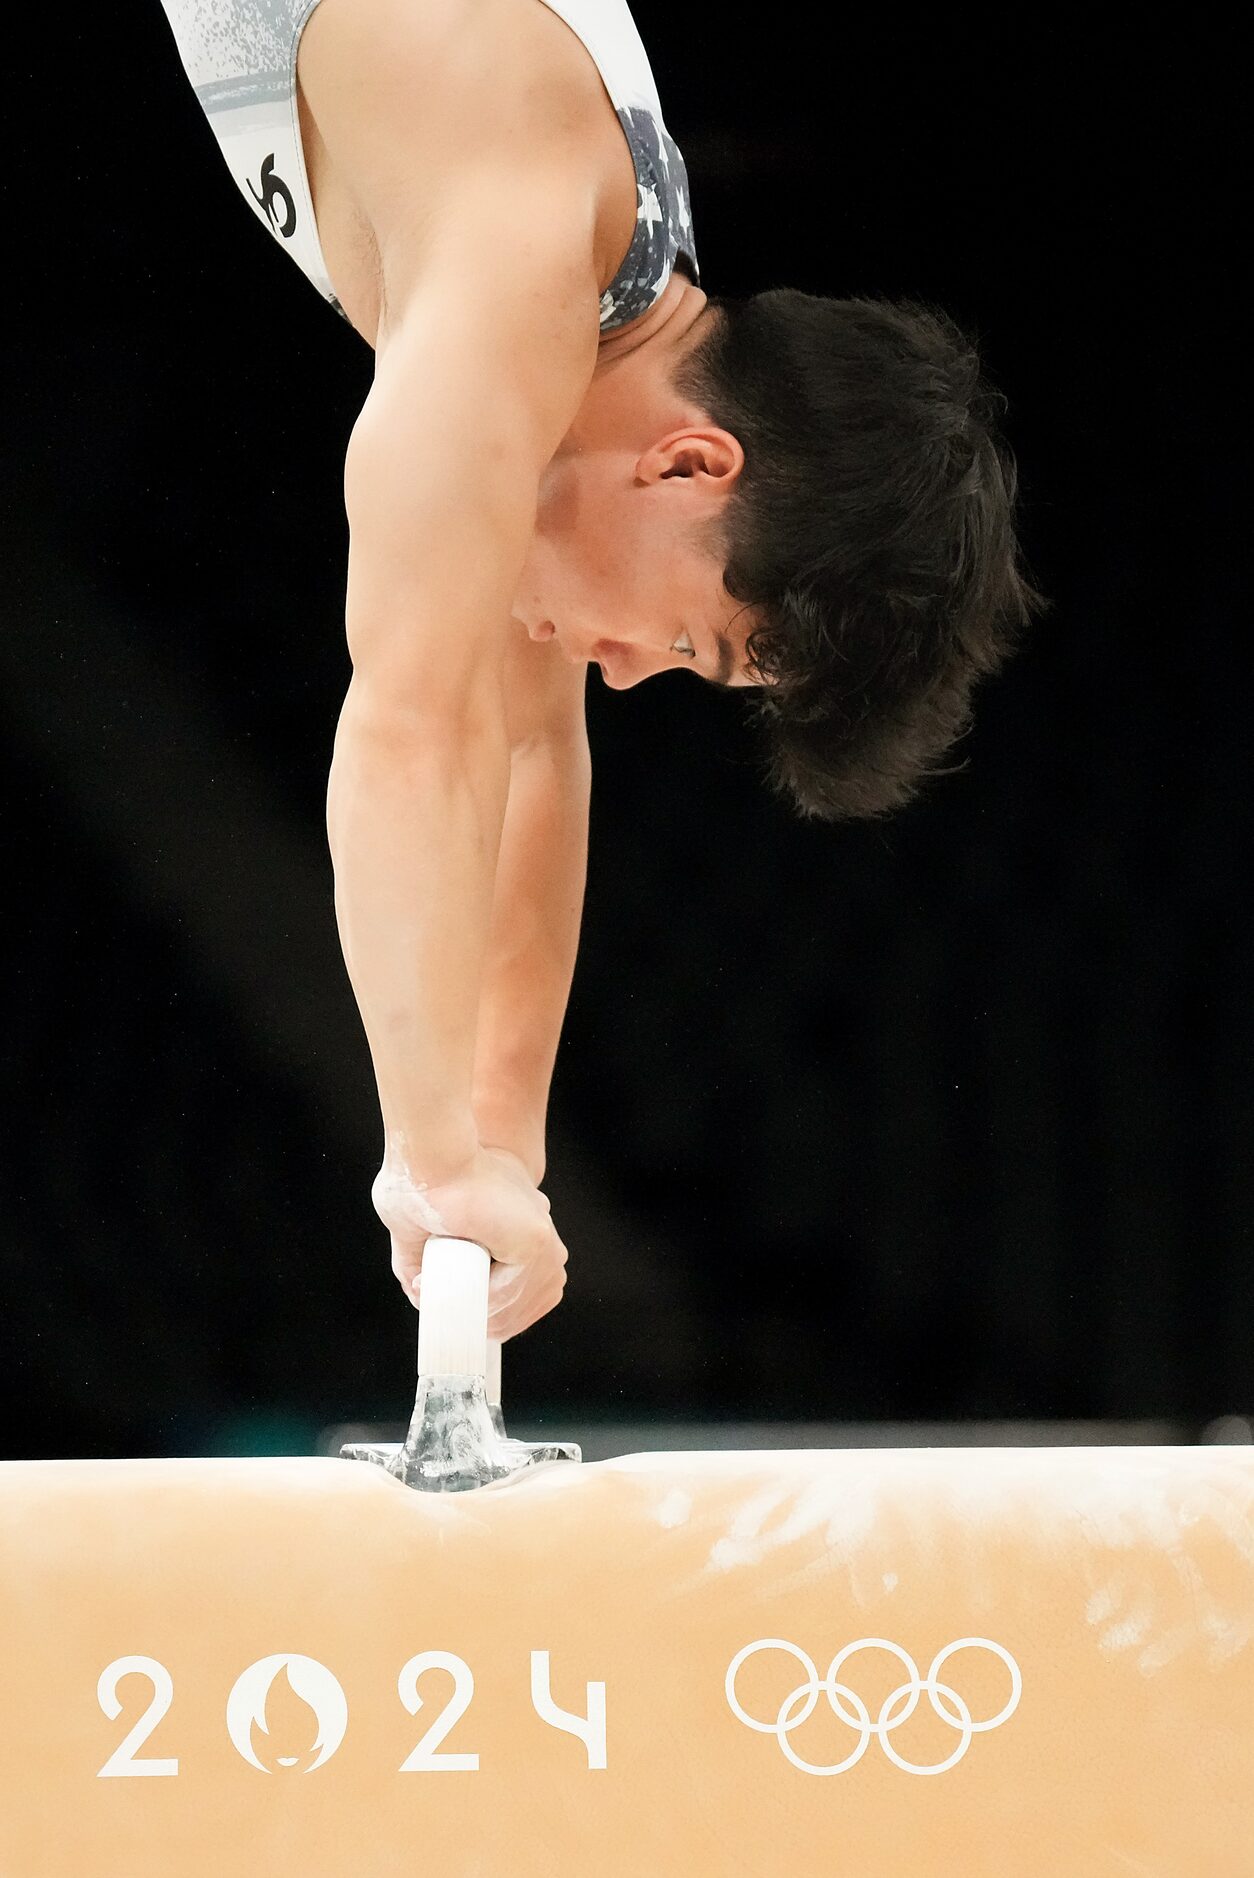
<point x="287" y="1714"/>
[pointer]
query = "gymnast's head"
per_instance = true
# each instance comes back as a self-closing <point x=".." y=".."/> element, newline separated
<point x="803" y="497"/>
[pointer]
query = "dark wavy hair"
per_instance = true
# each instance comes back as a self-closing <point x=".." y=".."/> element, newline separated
<point x="871" y="531"/>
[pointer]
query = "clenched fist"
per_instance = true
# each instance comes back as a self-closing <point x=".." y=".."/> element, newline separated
<point x="493" y="1201"/>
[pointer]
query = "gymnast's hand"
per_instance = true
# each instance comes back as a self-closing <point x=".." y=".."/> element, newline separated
<point x="493" y="1201"/>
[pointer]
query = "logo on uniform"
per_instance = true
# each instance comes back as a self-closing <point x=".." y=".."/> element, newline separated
<point x="273" y="189"/>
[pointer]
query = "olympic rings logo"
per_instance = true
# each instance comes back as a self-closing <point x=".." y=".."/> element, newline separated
<point x="809" y="1692"/>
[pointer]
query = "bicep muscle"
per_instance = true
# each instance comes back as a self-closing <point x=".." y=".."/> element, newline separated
<point x="478" y="378"/>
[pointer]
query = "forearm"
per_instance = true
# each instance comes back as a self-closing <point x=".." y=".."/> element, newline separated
<point x="534" y="938"/>
<point x="414" y="819"/>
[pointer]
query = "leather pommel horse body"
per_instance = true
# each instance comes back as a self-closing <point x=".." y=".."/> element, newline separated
<point x="940" y="1663"/>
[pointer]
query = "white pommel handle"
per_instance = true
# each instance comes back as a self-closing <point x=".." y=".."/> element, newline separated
<point x="453" y="1318"/>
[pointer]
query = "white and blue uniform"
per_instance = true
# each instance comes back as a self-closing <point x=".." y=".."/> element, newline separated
<point x="240" y="56"/>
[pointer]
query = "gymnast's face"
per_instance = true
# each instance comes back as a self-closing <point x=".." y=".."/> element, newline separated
<point x="625" y="561"/>
<point x="620" y="572"/>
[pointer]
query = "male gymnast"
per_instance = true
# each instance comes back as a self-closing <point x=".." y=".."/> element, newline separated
<point x="571" y="454"/>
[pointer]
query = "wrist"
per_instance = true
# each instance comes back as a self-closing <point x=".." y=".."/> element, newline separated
<point x="528" y="1161"/>
<point x="513" y="1125"/>
<point x="428" y="1158"/>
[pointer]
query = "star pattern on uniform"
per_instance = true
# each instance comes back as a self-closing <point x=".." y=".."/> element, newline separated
<point x="650" y="209"/>
<point x="663" y="220"/>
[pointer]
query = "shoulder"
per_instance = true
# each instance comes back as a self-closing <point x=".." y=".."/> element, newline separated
<point x="406" y="95"/>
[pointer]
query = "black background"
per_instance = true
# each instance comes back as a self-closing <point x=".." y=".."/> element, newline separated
<point x="942" y="1117"/>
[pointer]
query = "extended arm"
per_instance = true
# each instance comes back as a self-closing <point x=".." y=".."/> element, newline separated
<point x="414" y="815"/>
<point x="486" y="345"/>
<point x="472" y="394"/>
<point x="540" y="878"/>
